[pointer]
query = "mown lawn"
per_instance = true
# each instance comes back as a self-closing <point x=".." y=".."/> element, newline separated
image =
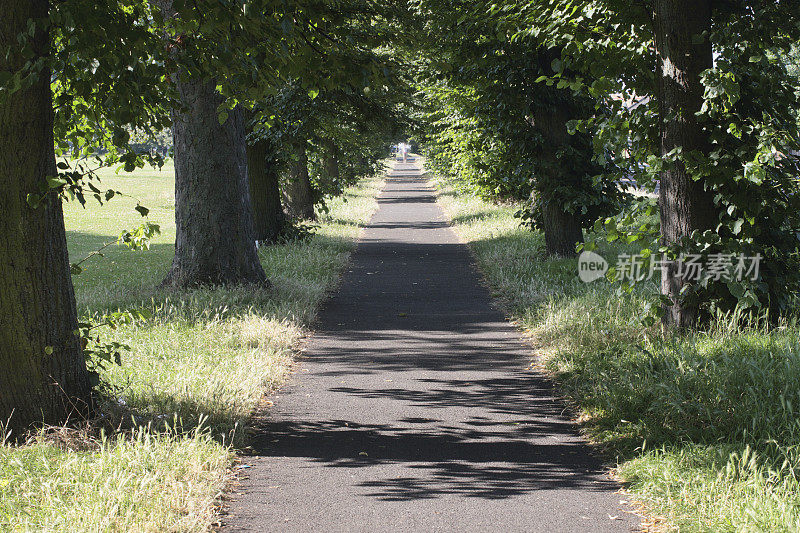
<point x="705" y="429"/>
<point x="193" y="375"/>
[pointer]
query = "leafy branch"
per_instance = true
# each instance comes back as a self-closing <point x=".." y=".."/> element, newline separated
<point x="138" y="238"/>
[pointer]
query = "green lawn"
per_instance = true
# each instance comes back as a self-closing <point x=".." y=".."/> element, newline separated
<point x="705" y="429"/>
<point x="194" y="373"/>
<point x="121" y="276"/>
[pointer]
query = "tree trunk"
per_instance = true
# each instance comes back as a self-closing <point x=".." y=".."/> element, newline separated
<point x="562" y="229"/>
<point x="43" y="375"/>
<point x="215" y="241"/>
<point x="330" y="164"/>
<point x="685" y="204"/>
<point x="300" y="192"/>
<point x="265" y="193"/>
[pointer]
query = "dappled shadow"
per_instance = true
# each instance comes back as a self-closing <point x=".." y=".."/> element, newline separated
<point x="459" y="347"/>
<point x="123" y="279"/>
<point x="519" y="396"/>
<point x="440" y="460"/>
<point x="124" y="410"/>
<point x="423" y="193"/>
<point x="410" y="178"/>
<point x="416" y="387"/>
<point x="126" y="280"/>
<point x="491" y="430"/>
<point x="400" y="200"/>
<point x="416" y="195"/>
<point x="411" y="225"/>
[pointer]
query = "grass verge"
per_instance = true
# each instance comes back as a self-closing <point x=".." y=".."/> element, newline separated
<point x="705" y="428"/>
<point x="193" y="375"/>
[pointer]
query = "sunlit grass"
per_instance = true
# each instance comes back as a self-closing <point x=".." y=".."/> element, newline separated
<point x="149" y="482"/>
<point x="194" y="373"/>
<point x="705" y="427"/>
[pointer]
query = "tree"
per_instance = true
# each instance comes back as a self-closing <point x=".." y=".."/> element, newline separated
<point x="215" y="238"/>
<point x="330" y="161"/>
<point x="263" y="171"/>
<point x="526" y="151"/>
<point x="562" y="228"/>
<point x="686" y="203"/>
<point x="328" y="138"/>
<point x="300" y="193"/>
<point x="44" y="377"/>
<point x="63" y="82"/>
<point x="714" y="122"/>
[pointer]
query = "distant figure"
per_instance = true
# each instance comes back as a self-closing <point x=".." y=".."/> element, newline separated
<point x="402" y="150"/>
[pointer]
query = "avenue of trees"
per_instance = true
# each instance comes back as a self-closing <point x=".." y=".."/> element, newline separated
<point x="274" y="106"/>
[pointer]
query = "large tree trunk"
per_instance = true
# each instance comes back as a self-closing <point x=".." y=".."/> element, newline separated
<point x="685" y="204"/>
<point x="43" y="375"/>
<point x="300" y="192"/>
<point x="215" y="241"/>
<point x="562" y="229"/>
<point x="265" y="193"/>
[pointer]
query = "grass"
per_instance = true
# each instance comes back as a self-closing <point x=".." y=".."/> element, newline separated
<point x="194" y="373"/>
<point x="705" y="428"/>
<point x="148" y="482"/>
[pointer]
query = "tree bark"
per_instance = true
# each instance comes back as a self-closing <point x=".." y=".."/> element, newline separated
<point x="330" y="163"/>
<point x="265" y="194"/>
<point x="562" y="229"/>
<point x="684" y="52"/>
<point x="215" y="241"/>
<point x="300" y="191"/>
<point x="43" y="375"/>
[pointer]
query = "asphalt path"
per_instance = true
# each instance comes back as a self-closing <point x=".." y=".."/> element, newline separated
<point x="414" y="407"/>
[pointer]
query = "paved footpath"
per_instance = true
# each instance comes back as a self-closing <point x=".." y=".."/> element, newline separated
<point x="413" y="408"/>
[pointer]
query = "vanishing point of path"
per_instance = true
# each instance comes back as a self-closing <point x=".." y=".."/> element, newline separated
<point x="413" y="408"/>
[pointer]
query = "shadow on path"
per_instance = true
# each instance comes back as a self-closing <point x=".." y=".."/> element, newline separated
<point x="414" y="408"/>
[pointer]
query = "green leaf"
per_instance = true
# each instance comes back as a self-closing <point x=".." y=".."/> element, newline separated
<point x="142" y="210"/>
<point x="55" y="182"/>
<point x="33" y="200"/>
<point x="755" y="172"/>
